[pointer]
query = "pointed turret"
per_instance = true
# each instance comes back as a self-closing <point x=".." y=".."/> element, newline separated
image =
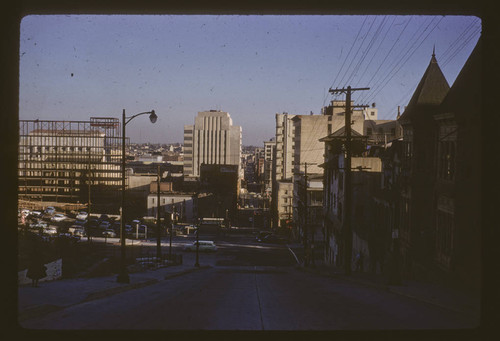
<point x="431" y="90"/>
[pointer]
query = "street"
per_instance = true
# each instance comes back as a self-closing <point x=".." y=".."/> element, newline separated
<point x="246" y="285"/>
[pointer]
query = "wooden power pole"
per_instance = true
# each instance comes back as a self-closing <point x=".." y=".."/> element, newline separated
<point x="347" y="228"/>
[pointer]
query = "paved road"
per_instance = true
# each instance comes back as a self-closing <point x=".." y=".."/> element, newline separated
<point x="247" y="286"/>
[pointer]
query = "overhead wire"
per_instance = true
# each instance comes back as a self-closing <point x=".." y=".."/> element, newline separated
<point x="347" y="56"/>
<point x="446" y="53"/>
<point x="462" y="46"/>
<point x="405" y="98"/>
<point x="357" y="51"/>
<point x="410" y="55"/>
<point x="390" y="50"/>
<point x="399" y="56"/>
<point x="378" y="49"/>
<point x="374" y="38"/>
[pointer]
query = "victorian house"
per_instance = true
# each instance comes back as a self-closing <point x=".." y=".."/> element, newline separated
<point x="456" y="200"/>
<point x="416" y="237"/>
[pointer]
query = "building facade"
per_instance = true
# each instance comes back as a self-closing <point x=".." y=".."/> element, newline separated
<point x="269" y="153"/>
<point x="416" y="237"/>
<point x="211" y="140"/>
<point x="69" y="161"/>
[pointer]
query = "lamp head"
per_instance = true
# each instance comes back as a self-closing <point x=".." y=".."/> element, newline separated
<point x="153" y="117"/>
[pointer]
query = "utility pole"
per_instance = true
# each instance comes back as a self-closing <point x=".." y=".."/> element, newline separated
<point x="347" y="170"/>
<point x="89" y="179"/>
<point x="306" y="250"/>
<point x="171" y="230"/>
<point x="158" y="228"/>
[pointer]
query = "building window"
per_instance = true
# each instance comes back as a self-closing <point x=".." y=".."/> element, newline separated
<point x="446" y="162"/>
<point x="372" y="113"/>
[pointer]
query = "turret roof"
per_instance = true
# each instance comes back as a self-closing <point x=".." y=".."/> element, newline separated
<point x="431" y="90"/>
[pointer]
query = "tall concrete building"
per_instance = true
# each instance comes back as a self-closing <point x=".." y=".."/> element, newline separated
<point x="69" y="161"/>
<point x="211" y="140"/>
<point x="269" y="153"/>
<point x="284" y="146"/>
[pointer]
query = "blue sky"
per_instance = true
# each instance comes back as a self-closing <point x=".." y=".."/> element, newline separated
<point x="73" y="67"/>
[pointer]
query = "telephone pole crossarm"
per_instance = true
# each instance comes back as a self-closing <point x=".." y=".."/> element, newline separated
<point x="337" y="90"/>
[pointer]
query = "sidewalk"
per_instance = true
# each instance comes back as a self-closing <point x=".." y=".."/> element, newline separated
<point x="443" y="297"/>
<point x="55" y="295"/>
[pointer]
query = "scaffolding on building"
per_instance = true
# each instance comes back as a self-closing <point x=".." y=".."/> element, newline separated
<point x="69" y="161"/>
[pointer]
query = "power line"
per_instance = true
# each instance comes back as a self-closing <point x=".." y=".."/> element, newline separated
<point x="390" y="50"/>
<point x="403" y="52"/>
<point x="352" y="45"/>
<point x="462" y="46"/>
<point x="368" y="48"/>
<point x="405" y="98"/>
<point x="456" y="41"/>
<point x="380" y="89"/>
<point x="378" y="49"/>
<point x="357" y="51"/>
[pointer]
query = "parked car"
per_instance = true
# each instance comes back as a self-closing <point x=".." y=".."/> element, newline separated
<point x="73" y="228"/>
<point x="80" y="222"/>
<point x="204" y="246"/>
<point x="79" y="232"/>
<point x="58" y="217"/>
<point x="50" y="210"/>
<point x="105" y="225"/>
<point x="109" y="233"/>
<point x="50" y="230"/>
<point x="82" y="215"/>
<point x="36" y="214"/>
<point x="38" y="225"/>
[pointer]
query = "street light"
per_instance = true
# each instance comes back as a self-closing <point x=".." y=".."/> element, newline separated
<point x="123" y="275"/>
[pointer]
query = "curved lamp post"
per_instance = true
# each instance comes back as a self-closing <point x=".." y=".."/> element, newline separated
<point x="123" y="275"/>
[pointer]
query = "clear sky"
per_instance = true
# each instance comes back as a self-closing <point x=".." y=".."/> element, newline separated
<point x="73" y="67"/>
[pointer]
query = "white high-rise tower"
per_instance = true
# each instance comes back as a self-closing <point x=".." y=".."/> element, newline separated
<point x="211" y="140"/>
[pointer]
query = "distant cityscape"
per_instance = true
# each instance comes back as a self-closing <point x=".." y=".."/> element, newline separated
<point x="402" y="195"/>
